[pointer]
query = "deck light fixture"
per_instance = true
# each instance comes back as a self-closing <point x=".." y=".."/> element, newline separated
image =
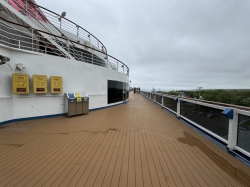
<point x="19" y="67"/>
<point x="4" y="59"/>
<point x="60" y="18"/>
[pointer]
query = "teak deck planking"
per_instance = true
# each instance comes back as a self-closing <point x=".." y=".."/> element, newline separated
<point x="130" y="145"/>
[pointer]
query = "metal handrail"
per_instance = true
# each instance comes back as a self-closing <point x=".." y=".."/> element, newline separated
<point x="202" y="101"/>
<point x="69" y="26"/>
<point x="231" y="138"/>
<point x="111" y="62"/>
<point x="29" y="11"/>
<point x="22" y="39"/>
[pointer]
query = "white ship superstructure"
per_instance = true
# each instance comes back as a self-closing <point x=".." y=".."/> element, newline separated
<point x="37" y="41"/>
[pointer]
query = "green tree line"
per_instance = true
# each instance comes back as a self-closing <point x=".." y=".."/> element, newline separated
<point x="236" y="97"/>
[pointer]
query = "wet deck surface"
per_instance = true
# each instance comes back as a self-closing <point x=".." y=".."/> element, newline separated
<point x="134" y="144"/>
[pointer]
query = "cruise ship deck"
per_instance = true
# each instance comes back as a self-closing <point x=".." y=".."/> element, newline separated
<point x="133" y="144"/>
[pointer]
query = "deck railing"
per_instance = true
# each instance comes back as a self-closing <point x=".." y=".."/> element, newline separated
<point x="232" y="131"/>
<point x="26" y="40"/>
<point x="11" y="37"/>
<point x="48" y="17"/>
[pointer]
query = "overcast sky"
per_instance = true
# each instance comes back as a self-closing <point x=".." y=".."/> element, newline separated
<point x="171" y="44"/>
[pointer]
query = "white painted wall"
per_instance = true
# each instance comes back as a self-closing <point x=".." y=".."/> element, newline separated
<point x="77" y="77"/>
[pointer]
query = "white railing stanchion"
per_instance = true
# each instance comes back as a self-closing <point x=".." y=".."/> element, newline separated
<point x="162" y="100"/>
<point x="77" y="30"/>
<point x="32" y="38"/>
<point x="19" y="44"/>
<point x="233" y="130"/>
<point x="92" y="56"/>
<point x="68" y="47"/>
<point x="36" y="12"/>
<point x="178" y="107"/>
<point x="27" y="13"/>
<point x="89" y="39"/>
<point x="45" y="49"/>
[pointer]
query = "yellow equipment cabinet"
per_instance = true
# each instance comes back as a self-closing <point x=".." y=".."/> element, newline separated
<point x="40" y="84"/>
<point x="56" y="84"/>
<point x="20" y="83"/>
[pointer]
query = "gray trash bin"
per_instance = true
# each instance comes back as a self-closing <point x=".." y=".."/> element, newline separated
<point x="85" y="103"/>
<point x="70" y="104"/>
<point x="79" y="103"/>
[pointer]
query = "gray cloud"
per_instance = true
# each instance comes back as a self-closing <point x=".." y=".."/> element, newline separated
<point x="171" y="44"/>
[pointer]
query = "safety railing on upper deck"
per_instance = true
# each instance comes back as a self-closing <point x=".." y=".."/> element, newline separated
<point x="11" y="37"/>
<point x="59" y="21"/>
<point x="230" y="124"/>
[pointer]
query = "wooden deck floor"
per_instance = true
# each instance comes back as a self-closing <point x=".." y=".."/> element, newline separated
<point x="135" y="144"/>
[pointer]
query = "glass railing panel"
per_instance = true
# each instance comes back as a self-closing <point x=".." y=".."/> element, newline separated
<point x="158" y="98"/>
<point x="244" y="132"/>
<point x="170" y="103"/>
<point x="207" y="117"/>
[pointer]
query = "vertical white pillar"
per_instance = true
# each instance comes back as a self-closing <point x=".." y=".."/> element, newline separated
<point x="77" y="30"/>
<point x="232" y="130"/>
<point x="32" y="33"/>
<point x="92" y="56"/>
<point x="178" y="108"/>
<point x="68" y="47"/>
<point x="162" y="100"/>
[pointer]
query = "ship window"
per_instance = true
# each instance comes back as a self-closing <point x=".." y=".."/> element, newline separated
<point x="116" y="91"/>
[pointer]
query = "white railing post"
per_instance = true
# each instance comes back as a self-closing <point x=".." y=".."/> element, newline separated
<point x="45" y="49"/>
<point x="36" y="12"/>
<point x="233" y="130"/>
<point x="32" y="38"/>
<point x="19" y="44"/>
<point x="60" y="19"/>
<point x="117" y="65"/>
<point x="178" y="107"/>
<point x="89" y="39"/>
<point x="77" y="27"/>
<point x="92" y="56"/>
<point x="162" y="100"/>
<point x="154" y="97"/>
<point x="68" y="47"/>
<point x="26" y="4"/>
